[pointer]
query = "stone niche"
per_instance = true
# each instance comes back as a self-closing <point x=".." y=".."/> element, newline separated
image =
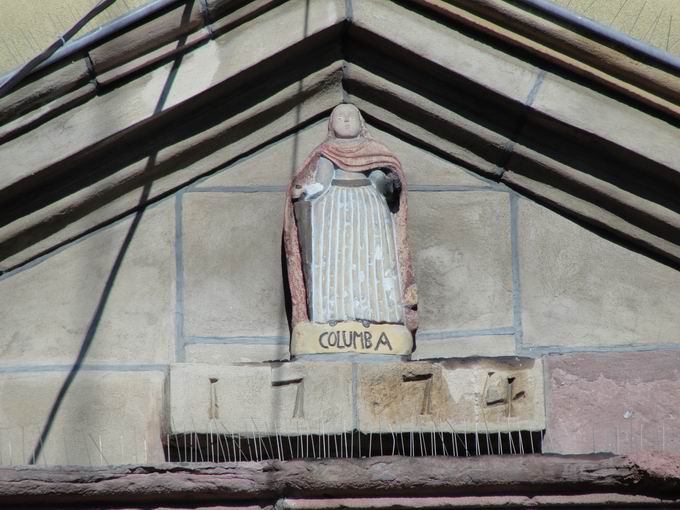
<point x="476" y="395"/>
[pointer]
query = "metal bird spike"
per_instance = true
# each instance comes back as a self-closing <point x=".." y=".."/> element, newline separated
<point x="251" y="428"/>
<point x="269" y="440"/>
<point x="290" y="447"/>
<point x="343" y="439"/>
<point x="401" y="440"/>
<point x="513" y="450"/>
<point x="454" y="446"/>
<point x="489" y="449"/>
<point x="276" y="439"/>
<point x="322" y="446"/>
<point x="465" y="435"/>
<point x="279" y="441"/>
<point x="351" y="450"/>
<point x="445" y="450"/>
<point x="234" y="443"/>
<point x="228" y="450"/>
<point x="394" y="437"/>
<point x="335" y="444"/>
<point x="219" y="452"/>
<point x="298" y="443"/>
<point x="313" y="448"/>
<point x="211" y="449"/>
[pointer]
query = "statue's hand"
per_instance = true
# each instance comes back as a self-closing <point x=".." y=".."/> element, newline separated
<point x="296" y="192"/>
<point x="380" y="181"/>
<point x="411" y="296"/>
<point x="313" y="190"/>
<point x="388" y="185"/>
<point x="307" y="191"/>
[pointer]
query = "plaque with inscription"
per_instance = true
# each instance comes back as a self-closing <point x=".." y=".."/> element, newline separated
<point x="350" y="276"/>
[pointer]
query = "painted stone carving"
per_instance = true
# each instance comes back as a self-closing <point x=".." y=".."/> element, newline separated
<point x="351" y="280"/>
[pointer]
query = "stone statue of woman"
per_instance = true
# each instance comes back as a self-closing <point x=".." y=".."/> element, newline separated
<point x="349" y="267"/>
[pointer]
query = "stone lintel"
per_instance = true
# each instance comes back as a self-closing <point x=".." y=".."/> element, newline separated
<point x="474" y="395"/>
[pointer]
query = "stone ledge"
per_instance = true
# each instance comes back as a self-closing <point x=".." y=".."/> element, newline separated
<point x="632" y="75"/>
<point x="621" y="72"/>
<point x="129" y="45"/>
<point x="43" y="90"/>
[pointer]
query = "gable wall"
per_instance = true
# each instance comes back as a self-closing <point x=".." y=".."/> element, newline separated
<point x="197" y="278"/>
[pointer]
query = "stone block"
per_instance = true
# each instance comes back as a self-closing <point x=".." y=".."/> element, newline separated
<point x="485" y="395"/>
<point x="236" y="353"/>
<point x="104" y="417"/>
<point x="619" y="402"/>
<point x="288" y="398"/>
<point x="51" y="308"/>
<point x="579" y="289"/>
<point x="493" y="345"/>
<point x="462" y="257"/>
<point x="233" y="282"/>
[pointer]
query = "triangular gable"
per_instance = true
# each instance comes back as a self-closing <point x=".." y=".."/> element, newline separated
<point x="215" y="90"/>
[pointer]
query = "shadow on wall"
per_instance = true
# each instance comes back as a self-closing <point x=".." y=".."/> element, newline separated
<point x="103" y="299"/>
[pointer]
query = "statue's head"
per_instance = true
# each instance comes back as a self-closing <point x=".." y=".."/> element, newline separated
<point x="346" y="121"/>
